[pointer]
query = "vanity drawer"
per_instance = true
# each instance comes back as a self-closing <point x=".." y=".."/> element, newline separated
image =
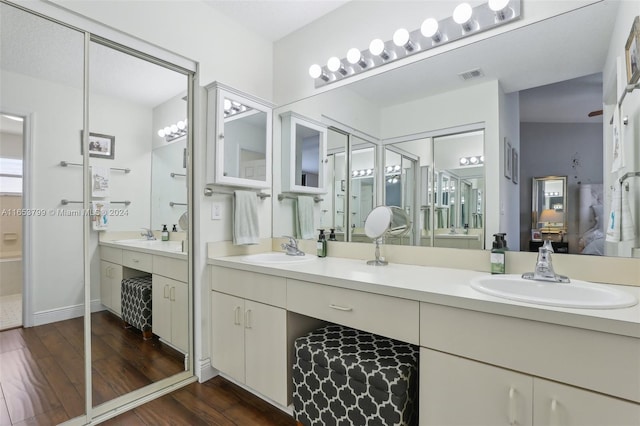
<point x="137" y="260"/>
<point x="171" y="268"/>
<point x="110" y="254"/>
<point x="263" y="288"/>
<point x="603" y="362"/>
<point x="384" y="315"/>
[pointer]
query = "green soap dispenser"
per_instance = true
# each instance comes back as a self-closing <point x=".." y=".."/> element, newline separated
<point x="165" y="233"/>
<point x="498" y="257"/>
<point x="321" y="245"/>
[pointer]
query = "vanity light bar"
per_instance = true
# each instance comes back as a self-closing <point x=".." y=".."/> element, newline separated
<point x="174" y="131"/>
<point x="234" y="107"/>
<point x="474" y="160"/>
<point x="464" y="22"/>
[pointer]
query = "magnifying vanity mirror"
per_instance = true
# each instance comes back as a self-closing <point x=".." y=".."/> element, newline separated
<point x="385" y="221"/>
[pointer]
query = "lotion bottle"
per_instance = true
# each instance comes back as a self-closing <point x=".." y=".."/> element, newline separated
<point x="321" y="245"/>
<point x="498" y="257"/>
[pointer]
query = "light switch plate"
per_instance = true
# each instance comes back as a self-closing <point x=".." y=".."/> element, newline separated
<point x="216" y="211"/>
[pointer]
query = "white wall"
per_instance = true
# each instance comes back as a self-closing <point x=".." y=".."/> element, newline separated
<point x="510" y="208"/>
<point x="614" y="83"/>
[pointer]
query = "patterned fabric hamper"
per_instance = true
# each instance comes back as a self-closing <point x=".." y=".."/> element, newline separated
<point x="136" y="304"/>
<point x="348" y="377"/>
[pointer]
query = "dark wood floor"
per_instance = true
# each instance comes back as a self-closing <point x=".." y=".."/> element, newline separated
<point x="42" y="379"/>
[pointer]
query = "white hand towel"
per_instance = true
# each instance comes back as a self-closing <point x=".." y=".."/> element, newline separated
<point x="613" y="228"/>
<point x="100" y="177"/>
<point x="100" y="215"/>
<point x="245" y="218"/>
<point x="304" y="216"/>
<point x="628" y="229"/>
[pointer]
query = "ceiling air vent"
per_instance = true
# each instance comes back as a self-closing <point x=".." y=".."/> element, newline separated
<point x="468" y="75"/>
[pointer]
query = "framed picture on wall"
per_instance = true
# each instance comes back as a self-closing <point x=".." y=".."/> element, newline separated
<point x="632" y="52"/>
<point x="515" y="166"/>
<point x="507" y="159"/>
<point x="100" y="146"/>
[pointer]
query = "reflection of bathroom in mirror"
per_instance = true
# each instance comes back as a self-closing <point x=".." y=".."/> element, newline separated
<point x="240" y="136"/>
<point x="304" y="150"/>
<point x="548" y="212"/>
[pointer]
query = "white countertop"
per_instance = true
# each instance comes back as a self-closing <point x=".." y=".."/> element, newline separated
<point x="443" y="286"/>
<point x="159" y="248"/>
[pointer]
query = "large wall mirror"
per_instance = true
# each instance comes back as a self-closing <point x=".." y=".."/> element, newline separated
<point x="71" y="286"/>
<point x="426" y="101"/>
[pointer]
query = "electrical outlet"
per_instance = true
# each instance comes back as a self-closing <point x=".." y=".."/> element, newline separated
<point x="216" y="211"/>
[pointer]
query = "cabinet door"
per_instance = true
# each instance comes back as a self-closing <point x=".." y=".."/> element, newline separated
<point x="161" y="306"/>
<point x="116" y="288"/>
<point x="458" y="391"/>
<point x="179" y="315"/>
<point x="266" y="350"/>
<point x="105" y="283"/>
<point x="561" y="405"/>
<point x="227" y="334"/>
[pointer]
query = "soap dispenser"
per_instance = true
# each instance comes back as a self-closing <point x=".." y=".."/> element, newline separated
<point x="498" y="257"/>
<point x="165" y="233"/>
<point x="332" y="235"/>
<point x="321" y="245"/>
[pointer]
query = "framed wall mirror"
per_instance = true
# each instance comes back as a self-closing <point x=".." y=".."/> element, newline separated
<point x="549" y="212"/>
<point x="304" y="152"/>
<point x="239" y="132"/>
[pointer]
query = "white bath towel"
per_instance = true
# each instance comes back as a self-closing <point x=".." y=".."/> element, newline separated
<point x="304" y="217"/>
<point x="613" y="228"/>
<point x="100" y="177"/>
<point x="245" y="218"/>
<point x="627" y="227"/>
<point x="100" y="215"/>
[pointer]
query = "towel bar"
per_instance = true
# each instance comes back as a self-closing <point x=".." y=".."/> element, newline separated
<point x="172" y="204"/>
<point x="64" y="202"/>
<point x="209" y="192"/>
<point x="316" y="198"/>
<point x="67" y="164"/>
<point x="177" y="174"/>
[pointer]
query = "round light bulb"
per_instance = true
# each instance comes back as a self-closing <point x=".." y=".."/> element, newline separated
<point x="354" y="173"/>
<point x="389" y="169"/>
<point x="353" y="55"/>
<point x="227" y="104"/>
<point x="474" y="160"/>
<point x="333" y="64"/>
<point x="462" y="13"/>
<point x="369" y="171"/>
<point x="464" y="161"/>
<point x="498" y="5"/>
<point x="167" y="130"/>
<point x="174" y="128"/>
<point x="396" y="168"/>
<point x="429" y="27"/>
<point x="482" y="158"/>
<point x="161" y="133"/>
<point x="400" y="37"/>
<point x="181" y="125"/>
<point x="376" y="47"/>
<point x="315" y="71"/>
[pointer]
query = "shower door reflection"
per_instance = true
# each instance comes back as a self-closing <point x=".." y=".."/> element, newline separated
<point x="140" y="334"/>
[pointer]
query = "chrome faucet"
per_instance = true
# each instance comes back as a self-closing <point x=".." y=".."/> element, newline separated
<point x="148" y="234"/>
<point x="292" y="247"/>
<point x="544" y="267"/>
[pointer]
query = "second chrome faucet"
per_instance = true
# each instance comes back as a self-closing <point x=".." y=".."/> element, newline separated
<point x="544" y="267"/>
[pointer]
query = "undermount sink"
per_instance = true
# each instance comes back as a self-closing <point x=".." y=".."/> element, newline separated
<point x="276" y="257"/>
<point x="576" y="294"/>
<point x="152" y="244"/>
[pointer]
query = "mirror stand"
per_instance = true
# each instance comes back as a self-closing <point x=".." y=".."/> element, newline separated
<point x="377" y="261"/>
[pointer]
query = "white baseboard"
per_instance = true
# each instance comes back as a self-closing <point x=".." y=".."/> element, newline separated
<point x="64" y="313"/>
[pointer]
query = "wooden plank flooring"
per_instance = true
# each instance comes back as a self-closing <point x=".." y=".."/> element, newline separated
<point x="42" y="379"/>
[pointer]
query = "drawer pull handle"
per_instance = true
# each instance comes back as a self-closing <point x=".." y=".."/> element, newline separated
<point x="172" y="294"/>
<point x="512" y="407"/>
<point x="247" y="319"/>
<point x="554" y="419"/>
<point x="341" y="308"/>
<point x="236" y="315"/>
<point x="166" y="291"/>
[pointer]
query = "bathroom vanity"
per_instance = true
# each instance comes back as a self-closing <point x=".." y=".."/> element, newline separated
<point x="168" y="267"/>
<point x="483" y="360"/>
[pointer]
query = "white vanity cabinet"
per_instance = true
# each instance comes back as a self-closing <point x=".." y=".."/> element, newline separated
<point x="485" y="369"/>
<point x="110" y="279"/>
<point x="169" y="300"/>
<point x="249" y="333"/>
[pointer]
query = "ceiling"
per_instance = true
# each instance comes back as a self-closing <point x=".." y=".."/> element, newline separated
<point x="274" y="19"/>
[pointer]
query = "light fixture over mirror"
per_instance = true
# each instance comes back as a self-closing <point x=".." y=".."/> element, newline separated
<point x="465" y="20"/>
